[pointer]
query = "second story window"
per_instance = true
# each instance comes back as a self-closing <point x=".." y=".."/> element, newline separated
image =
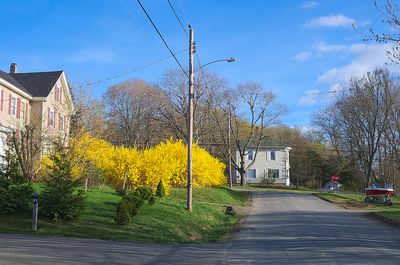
<point x="61" y="121"/>
<point x="58" y="93"/>
<point x="273" y="155"/>
<point x="13" y="106"/>
<point x="51" y="118"/>
<point x="22" y="111"/>
<point x="250" y="155"/>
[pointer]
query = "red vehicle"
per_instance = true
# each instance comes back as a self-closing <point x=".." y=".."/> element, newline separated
<point x="379" y="194"/>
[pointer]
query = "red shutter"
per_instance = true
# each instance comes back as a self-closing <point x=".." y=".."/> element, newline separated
<point x="16" y="134"/>
<point x="2" y="100"/>
<point x="55" y="93"/>
<point x="48" y="117"/>
<point x="9" y="106"/>
<point x="60" y="94"/>
<point x="18" y="107"/>
<point x="55" y="119"/>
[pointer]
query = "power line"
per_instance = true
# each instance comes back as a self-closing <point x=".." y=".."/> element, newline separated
<point x="129" y="71"/>
<point x="162" y="38"/>
<point x="177" y="17"/>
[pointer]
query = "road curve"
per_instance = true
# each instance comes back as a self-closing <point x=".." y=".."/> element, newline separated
<point x="282" y="228"/>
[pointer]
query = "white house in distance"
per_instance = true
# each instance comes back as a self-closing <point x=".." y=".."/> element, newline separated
<point x="270" y="162"/>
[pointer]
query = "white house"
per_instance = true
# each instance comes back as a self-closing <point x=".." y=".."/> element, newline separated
<point x="270" y="162"/>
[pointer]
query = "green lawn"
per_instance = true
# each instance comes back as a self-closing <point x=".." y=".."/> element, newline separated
<point x="390" y="213"/>
<point x="166" y="221"/>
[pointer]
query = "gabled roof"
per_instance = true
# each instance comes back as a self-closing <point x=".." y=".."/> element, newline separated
<point x="38" y="84"/>
<point x="7" y="77"/>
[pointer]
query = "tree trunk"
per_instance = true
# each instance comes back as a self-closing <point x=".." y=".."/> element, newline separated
<point x="86" y="184"/>
<point x="124" y="184"/>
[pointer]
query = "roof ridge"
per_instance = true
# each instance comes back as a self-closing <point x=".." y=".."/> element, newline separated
<point x="41" y="72"/>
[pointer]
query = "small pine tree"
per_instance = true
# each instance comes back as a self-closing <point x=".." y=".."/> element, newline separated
<point x="160" y="192"/>
<point x="124" y="212"/>
<point x="15" y="190"/>
<point x="61" y="198"/>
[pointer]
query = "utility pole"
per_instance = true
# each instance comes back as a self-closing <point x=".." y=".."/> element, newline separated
<point x="190" y="119"/>
<point x="229" y="148"/>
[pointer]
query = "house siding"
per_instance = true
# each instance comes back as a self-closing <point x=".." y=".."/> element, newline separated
<point x="263" y="163"/>
<point x="35" y="112"/>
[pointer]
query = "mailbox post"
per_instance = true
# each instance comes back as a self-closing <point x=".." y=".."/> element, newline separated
<point x="35" y="201"/>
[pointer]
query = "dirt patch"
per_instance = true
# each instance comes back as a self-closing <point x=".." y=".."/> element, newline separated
<point x="352" y="204"/>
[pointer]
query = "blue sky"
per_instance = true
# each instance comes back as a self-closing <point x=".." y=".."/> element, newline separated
<point x="294" y="48"/>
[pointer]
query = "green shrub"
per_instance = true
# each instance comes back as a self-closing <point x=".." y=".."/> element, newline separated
<point x="145" y="192"/>
<point x="160" y="192"/>
<point x="15" y="190"/>
<point x="131" y="202"/>
<point x="61" y="199"/>
<point x="124" y="209"/>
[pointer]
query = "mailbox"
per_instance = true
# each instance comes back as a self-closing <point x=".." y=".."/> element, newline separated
<point x="35" y="198"/>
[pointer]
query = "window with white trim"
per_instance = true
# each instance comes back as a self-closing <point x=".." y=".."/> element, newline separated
<point x="250" y="155"/>
<point x="13" y="106"/>
<point x="61" y="120"/>
<point x="251" y="173"/>
<point x="58" y="93"/>
<point x="273" y="173"/>
<point x="52" y="118"/>
<point x="22" y="111"/>
<point x="273" y="155"/>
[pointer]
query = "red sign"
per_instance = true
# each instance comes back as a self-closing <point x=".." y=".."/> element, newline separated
<point x="335" y="178"/>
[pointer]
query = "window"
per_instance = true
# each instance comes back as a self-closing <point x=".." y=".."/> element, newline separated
<point x="22" y="111"/>
<point x="61" y="120"/>
<point x="251" y="173"/>
<point x="250" y="155"/>
<point x="273" y="173"/>
<point x="272" y="155"/>
<point x="13" y="106"/>
<point x="58" y="93"/>
<point x="52" y="118"/>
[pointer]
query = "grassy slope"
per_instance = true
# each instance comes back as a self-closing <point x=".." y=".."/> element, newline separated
<point x="391" y="213"/>
<point x="166" y="221"/>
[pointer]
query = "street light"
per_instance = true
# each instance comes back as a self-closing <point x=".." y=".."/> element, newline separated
<point x="228" y="60"/>
<point x="190" y="129"/>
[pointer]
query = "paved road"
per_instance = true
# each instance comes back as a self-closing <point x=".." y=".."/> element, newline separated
<point x="282" y="228"/>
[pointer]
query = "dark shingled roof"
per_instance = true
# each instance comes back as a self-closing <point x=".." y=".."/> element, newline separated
<point x="38" y="84"/>
<point x="13" y="82"/>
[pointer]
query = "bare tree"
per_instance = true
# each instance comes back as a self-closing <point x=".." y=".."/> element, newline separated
<point x="356" y="123"/>
<point x="390" y="16"/>
<point x="131" y="112"/>
<point x="251" y="110"/>
<point x="174" y="112"/>
<point x="27" y="147"/>
<point x="89" y="114"/>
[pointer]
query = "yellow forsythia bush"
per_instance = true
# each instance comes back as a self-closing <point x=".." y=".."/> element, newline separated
<point x="166" y="161"/>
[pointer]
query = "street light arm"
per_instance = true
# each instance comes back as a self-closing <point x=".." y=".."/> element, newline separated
<point x="229" y="60"/>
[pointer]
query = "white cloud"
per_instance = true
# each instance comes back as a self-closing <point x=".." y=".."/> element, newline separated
<point x="325" y="48"/>
<point x="302" y="56"/>
<point x="310" y="98"/>
<point x="95" y="55"/>
<point x="366" y="58"/>
<point x="331" y="21"/>
<point x="309" y="5"/>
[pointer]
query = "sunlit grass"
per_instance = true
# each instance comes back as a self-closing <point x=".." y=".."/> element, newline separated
<point x="165" y="221"/>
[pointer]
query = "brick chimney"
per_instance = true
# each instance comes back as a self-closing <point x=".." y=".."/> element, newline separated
<point x="13" y="68"/>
